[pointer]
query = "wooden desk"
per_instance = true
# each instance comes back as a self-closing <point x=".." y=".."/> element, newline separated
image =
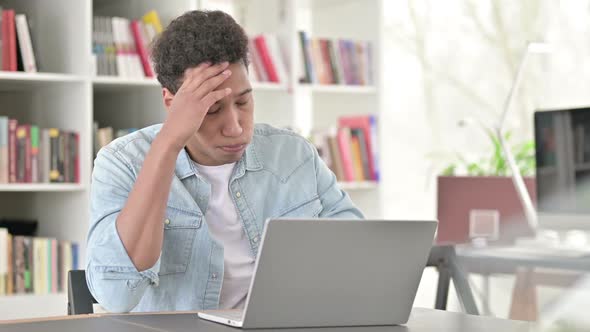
<point x="421" y="320"/>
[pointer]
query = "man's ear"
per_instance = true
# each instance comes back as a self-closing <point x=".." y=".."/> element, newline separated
<point x="167" y="97"/>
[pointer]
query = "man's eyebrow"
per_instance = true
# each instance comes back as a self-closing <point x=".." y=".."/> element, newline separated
<point x="245" y="92"/>
<point x="239" y="95"/>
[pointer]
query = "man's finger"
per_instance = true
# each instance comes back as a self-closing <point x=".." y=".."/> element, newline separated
<point x="213" y="96"/>
<point x="192" y="72"/>
<point x="198" y="77"/>
<point x="211" y="84"/>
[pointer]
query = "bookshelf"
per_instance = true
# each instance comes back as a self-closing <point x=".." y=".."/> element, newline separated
<point x="66" y="93"/>
<point x="42" y="187"/>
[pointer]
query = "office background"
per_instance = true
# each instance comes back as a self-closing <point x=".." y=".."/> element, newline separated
<point x="439" y="70"/>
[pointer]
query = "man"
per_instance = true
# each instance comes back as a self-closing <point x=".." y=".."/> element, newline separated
<point x="177" y="209"/>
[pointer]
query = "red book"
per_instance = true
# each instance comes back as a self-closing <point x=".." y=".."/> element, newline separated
<point x="5" y="60"/>
<point x="264" y="53"/>
<point x="65" y="136"/>
<point x="141" y="49"/>
<point x="12" y="125"/>
<point x="11" y="41"/>
<point x="76" y="157"/>
<point x="368" y="124"/>
<point x="343" y="138"/>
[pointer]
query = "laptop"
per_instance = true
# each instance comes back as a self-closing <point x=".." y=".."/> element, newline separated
<point x="333" y="272"/>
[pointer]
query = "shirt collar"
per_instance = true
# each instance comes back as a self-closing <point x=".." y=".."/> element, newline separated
<point x="249" y="160"/>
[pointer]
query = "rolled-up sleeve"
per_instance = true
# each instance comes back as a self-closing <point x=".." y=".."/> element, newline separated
<point x="112" y="278"/>
<point x="336" y="203"/>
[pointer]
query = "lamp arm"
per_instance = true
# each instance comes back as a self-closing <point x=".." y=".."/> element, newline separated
<point x="519" y="185"/>
<point x="517" y="180"/>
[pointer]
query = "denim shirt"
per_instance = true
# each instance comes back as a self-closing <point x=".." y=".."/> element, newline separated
<point x="280" y="175"/>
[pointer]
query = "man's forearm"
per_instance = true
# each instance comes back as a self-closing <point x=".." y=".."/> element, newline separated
<point x="140" y="223"/>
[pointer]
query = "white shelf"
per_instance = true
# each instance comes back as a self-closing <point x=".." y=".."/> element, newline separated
<point x="112" y="82"/>
<point x="363" y="185"/>
<point x="582" y="167"/>
<point x="345" y="89"/>
<point x="20" y="306"/>
<point x="41" y="187"/>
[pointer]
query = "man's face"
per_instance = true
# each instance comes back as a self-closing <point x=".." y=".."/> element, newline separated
<point x="228" y="127"/>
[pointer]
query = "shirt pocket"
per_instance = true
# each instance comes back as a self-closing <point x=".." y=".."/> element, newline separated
<point x="310" y="208"/>
<point x="180" y="232"/>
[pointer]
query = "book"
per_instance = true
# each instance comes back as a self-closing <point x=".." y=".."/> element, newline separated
<point x="141" y="46"/>
<point x="12" y="150"/>
<point x="28" y="261"/>
<point x="9" y="265"/>
<point x="368" y="124"/>
<point x="55" y="174"/>
<point x="266" y="57"/>
<point x="363" y="153"/>
<point x="3" y="149"/>
<point x="257" y="72"/>
<point x="38" y="267"/>
<point x="75" y="156"/>
<point x="344" y="148"/>
<point x="44" y="156"/>
<point x="23" y="154"/>
<point x="355" y="152"/>
<point x="34" y="176"/>
<point x="53" y="269"/>
<point x="19" y="264"/>
<point x="337" y="167"/>
<point x="34" y="264"/>
<point x="25" y="44"/>
<point x="9" y="59"/>
<point x="306" y="58"/>
<point x="277" y="57"/>
<point x="3" y="260"/>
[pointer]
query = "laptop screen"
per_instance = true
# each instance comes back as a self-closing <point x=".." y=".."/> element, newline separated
<point x="562" y="140"/>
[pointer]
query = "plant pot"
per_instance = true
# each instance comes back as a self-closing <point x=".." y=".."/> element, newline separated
<point x="485" y="207"/>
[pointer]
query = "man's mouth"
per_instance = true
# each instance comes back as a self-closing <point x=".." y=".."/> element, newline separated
<point x="233" y="148"/>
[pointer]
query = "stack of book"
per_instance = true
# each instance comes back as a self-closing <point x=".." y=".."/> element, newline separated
<point x="266" y="60"/>
<point x="34" y="264"/>
<point x="15" y="43"/>
<point x="29" y="154"/>
<point x="350" y="150"/>
<point x="336" y="61"/>
<point x="121" y="46"/>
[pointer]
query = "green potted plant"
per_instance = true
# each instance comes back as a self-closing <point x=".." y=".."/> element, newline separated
<point x="478" y="199"/>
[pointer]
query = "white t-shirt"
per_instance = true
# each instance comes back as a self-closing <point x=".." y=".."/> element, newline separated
<point x="226" y="228"/>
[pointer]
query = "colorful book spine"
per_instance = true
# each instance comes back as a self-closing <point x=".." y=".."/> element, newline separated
<point x="265" y="55"/>
<point x="54" y="169"/>
<point x="4" y="160"/>
<point x="12" y="150"/>
<point x="34" y="169"/>
<point x="368" y="125"/>
<point x="344" y="148"/>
